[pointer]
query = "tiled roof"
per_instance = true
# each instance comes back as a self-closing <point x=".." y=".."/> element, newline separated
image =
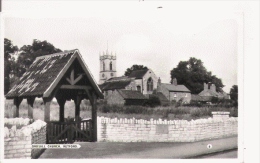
<point x="130" y="94"/>
<point x="138" y="74"/>
<point x="162" y="98"/>
<point x="115" y="85"/>
<point x="209" y="93"/>
<point x="176" y="88"/>
<point x="44" y="74"/>
<point x="197" y="98"/>
<point x="118" y="78"/>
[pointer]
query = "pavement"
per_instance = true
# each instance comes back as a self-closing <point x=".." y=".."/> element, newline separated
<point x="143" y="150"/>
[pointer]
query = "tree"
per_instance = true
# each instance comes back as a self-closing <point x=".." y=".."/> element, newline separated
<point x="234" y="94"/>
<point x="9" y="49"/>
<point x="133" y="68"/>
<point x="193" y="74"/>
<point x="28" y="53"/>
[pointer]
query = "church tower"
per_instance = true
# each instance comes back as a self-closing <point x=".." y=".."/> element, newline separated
<point x="107" y="66"/>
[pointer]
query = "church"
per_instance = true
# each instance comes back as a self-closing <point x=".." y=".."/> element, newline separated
<point x="139" y="83"/>
<point x="135" y="88"/>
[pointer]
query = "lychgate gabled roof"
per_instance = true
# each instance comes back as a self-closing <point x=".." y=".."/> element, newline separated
<point x="45" y="73"/>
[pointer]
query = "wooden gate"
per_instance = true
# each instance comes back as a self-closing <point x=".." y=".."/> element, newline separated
<point x="69" y="132"/>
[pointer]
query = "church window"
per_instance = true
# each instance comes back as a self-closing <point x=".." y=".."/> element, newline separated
<point x="150" y="84"/>
<point x="111" y="74"/>
<point x="103" y="66"/>
<point x="138" y="88"/>
<point x="111" y="66"/>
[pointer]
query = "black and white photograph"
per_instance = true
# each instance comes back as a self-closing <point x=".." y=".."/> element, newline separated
<point x="125" y="79"/>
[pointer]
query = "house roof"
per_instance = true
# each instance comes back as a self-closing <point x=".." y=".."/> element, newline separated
<point x="197" y="98"/>
<point x="162" y="97"/>
<point x="130" y="94"/>
<point x="175" y="88"/>
<point x="114" y="85"/>
<point x="45" y="73"/>
<point x="209" y="93"/>
<point x="138" y="74"/>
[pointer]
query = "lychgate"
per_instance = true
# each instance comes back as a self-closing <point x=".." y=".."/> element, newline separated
<point x="64" y="76"/>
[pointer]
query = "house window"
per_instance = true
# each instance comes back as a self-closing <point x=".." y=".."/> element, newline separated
<point x="150" y="84"/>
<point x="186" y="95"/>
<point x="103" y="66"/>
<point x="111" y="66"/>
<point x="138" y="88"/>
<point x="174" y="95"/>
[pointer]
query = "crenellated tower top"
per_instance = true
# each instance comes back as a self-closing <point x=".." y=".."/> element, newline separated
<point x="107" y="55"/>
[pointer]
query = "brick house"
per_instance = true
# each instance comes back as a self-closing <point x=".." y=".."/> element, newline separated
<point x="125" y="97"/>
<point x="174" y="92"/>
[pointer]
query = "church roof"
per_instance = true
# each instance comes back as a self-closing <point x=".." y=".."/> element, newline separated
<point x="118" y="78"/>
<point x="138" y="74"/>
<point x="130" y="94"/>
<point x="46" y="72"/>
<point x="175" y="88"/>
<point x="121" y="84"/>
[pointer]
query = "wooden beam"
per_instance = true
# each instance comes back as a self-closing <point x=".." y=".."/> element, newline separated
<point x="72" y="79"/>
<point x="47" y="103"/>
<point x="77" y="102"/>
<point x="30" y="102"/>
<point x="61" y="101"/>
<point x="84" y="87"/>
<point x="94" y="116"/>
<point x="17" y="102"/>
<point x="89" y="96"/>
<point x="77" y="79"/>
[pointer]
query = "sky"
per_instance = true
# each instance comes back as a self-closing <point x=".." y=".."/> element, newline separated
<point x="138" y="32"/>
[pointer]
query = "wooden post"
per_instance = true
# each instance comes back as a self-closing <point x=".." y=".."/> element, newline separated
<point x="30" y="102"/>
<point x="47" y="103"/>
<point x="77" y="102"/>
<point x="94" y="116"/>
<point x="17" y="102"/>
<point x="61" y="101"/>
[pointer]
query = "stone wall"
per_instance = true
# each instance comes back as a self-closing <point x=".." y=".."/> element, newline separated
<point x="18" y="142"/>
<point x="132" y="130"/>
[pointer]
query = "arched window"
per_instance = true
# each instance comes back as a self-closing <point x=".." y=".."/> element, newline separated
<point x="138" y="88"/>
<point x="110" y="65"/>
<point x="150" y="84"/>
<point x="103" y="66"/>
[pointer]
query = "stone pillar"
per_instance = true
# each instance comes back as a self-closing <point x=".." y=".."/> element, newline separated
<point x="30" y="102"/>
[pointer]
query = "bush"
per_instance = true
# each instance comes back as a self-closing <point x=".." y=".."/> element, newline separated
<point x="153" y="101"/>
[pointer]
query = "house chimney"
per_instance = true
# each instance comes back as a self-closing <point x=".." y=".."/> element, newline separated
<point x="159" y="81"/>
<point x="205" y="86"/>
<point x="213" y="87"/>
<point x="174" y="82"/>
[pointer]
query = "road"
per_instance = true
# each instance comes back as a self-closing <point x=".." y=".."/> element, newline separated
<point x="227" y="154"/>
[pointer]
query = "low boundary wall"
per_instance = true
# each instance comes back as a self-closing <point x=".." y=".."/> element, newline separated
<point x="133" y="130"/>
<point x="18" y="142"/>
